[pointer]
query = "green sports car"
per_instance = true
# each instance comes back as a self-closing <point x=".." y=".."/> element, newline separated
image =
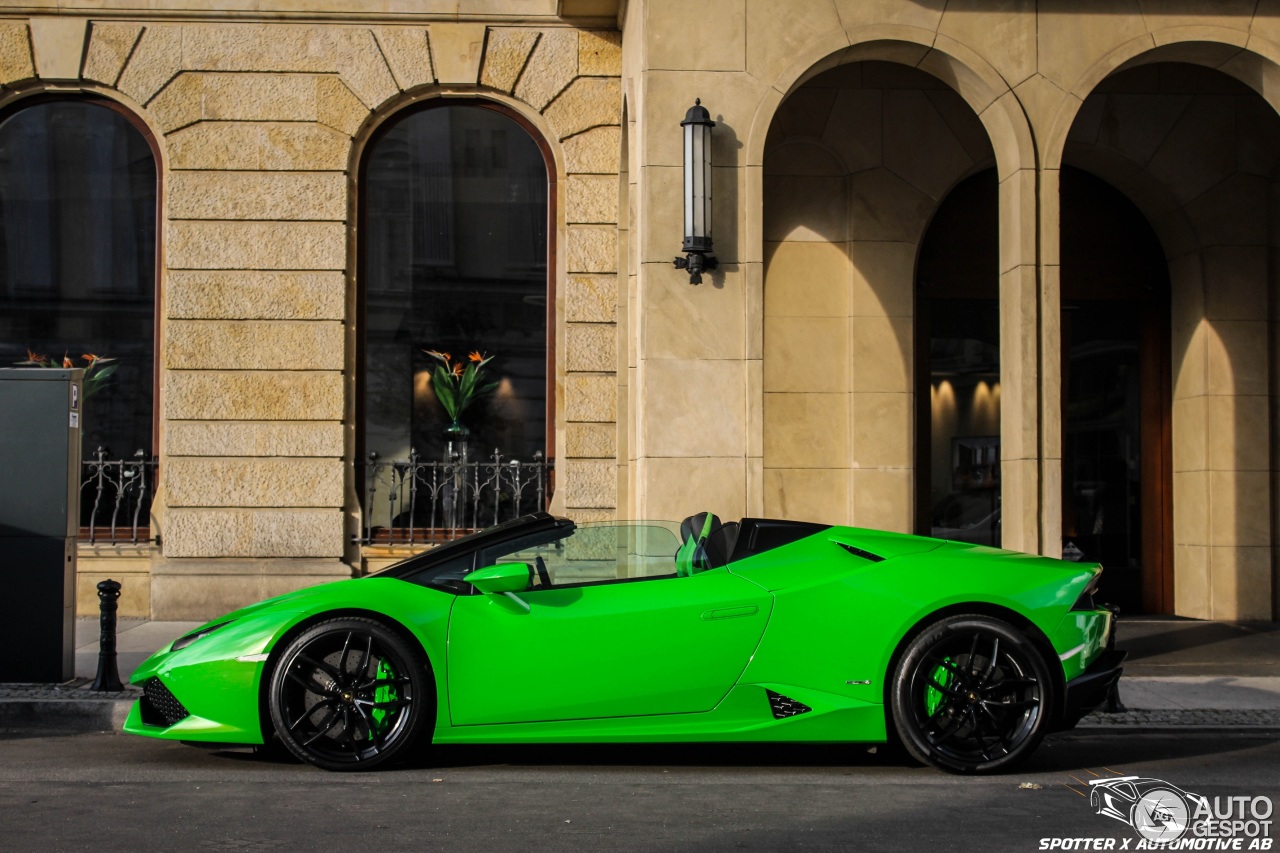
<point x="540" y="630"/>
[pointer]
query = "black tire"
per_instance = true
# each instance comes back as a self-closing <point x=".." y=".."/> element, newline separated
<point x="350" y="694"/>
<point x="972" y="694"/>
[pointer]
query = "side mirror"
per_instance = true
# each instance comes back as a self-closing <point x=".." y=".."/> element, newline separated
<point x="502" y="578"/>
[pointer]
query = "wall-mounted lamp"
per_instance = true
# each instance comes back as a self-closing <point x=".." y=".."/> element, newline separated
<point x="697" y="126"/>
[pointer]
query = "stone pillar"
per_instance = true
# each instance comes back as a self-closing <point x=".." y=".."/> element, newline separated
<point x="1021" y="371"/>
<point x="1049" y="204"/>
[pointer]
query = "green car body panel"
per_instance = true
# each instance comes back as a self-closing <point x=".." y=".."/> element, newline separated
<point x="819" y="620"/>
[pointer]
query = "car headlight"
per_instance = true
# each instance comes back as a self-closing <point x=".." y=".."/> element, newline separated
<point x="184" y="641"/>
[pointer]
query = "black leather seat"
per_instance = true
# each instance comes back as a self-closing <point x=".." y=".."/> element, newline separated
<point x="707" y="543"/>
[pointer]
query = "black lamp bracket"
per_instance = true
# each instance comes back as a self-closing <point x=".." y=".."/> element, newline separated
<point x="696" y="263"/>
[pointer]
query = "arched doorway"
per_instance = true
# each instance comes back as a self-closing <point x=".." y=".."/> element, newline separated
<point x="454" y="251"/>
<point x="78" y="191"/>
<point x="1197" y="153"/>
<point x="958" y="472"/>
<point x="1116" y="466"/>
<point x="1115" y="387"/>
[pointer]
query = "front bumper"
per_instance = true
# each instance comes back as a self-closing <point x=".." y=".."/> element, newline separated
<point x="1089" y="689"/>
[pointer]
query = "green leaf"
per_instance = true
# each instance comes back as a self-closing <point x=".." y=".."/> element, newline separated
<point x="468" y="381"/>
<point x="443" y="385"/>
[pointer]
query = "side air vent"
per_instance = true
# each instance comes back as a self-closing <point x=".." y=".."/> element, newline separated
<point x="785" y="706"/>
<point x="858" y="552"/>
<point x="158" y="706"/>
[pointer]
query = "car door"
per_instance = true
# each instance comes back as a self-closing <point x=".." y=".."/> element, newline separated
<point x="616" y="634"/>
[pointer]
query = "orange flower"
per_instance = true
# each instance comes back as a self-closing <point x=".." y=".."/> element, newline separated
<point x="90" y="357"/>
<point x="66" y="362"/>
<point x="32" y="355"/>
<point x="457" y="369"/>
<point x="476" y="356"/>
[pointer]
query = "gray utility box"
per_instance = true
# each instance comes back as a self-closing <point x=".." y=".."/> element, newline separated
<point x="40" y="412"/>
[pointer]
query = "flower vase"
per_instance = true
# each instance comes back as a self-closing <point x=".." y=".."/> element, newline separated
<point x="456" y="437"/>
<point x="455" y="457"/>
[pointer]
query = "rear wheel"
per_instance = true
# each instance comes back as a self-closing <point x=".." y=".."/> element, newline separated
<point x="971" y="695"/>
<point x="349" y="694"/>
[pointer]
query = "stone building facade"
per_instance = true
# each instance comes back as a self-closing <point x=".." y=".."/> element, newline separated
<point x="883" y="169"/>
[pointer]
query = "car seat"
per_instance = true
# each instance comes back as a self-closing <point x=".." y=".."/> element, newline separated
<point x="706" y="544"/>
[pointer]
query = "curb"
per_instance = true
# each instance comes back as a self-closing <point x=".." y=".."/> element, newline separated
<point x="65" y="715"/>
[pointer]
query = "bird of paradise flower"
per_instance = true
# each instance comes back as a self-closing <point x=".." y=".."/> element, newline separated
<point x="97" y="369"/>
<point x="460" y="383"/>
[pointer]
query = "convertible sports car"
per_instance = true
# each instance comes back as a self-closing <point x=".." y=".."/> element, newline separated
<point x="540" y="630"/>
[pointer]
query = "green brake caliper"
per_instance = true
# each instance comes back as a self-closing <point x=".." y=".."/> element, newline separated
<point x="933" y="697"/>
<point x="385" y="693"/>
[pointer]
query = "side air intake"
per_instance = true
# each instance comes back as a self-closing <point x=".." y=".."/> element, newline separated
<point x="158" y="706"/>
<point x="785" y="706"/>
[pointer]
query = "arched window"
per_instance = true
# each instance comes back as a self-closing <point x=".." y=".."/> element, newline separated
<point x="454" y="259"/>
<point x="78" y="255"/>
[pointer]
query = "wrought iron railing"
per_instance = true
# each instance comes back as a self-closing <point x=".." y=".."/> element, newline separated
<point x="421" y="502"/>
<point x="115" y="498"/>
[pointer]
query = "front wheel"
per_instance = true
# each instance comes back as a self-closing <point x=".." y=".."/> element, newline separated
<point x="348" y="694"/>
<point x="971" y="695"/>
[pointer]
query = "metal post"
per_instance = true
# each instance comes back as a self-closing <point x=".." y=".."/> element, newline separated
<point x="108" y="678"/>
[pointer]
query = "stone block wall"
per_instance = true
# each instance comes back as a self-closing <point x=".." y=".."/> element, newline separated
<point x="259" y="129"/>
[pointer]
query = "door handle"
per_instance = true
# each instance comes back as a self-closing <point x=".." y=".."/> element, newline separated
<point x="731" y="612"/>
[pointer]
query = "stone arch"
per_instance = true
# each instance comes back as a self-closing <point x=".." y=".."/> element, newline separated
<point x="1256" y="65"/>
<point x="842" y="218"/>
<point x="1009" y="134"/>
<point x="965" y="71"/>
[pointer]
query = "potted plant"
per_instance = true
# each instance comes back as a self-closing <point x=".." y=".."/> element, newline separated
<point x="457" y="385"/>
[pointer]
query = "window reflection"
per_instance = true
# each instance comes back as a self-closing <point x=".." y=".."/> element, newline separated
<point x="455" y="260"/>
<point x="958" y="379"/>
<point x="964" y="373"/>
<point x="77" y="255"/>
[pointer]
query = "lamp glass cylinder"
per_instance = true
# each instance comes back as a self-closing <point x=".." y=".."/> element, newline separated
<point x="697" y="186"/>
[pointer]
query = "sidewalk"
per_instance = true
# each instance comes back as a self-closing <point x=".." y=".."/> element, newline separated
<point x="1180" y="673"/>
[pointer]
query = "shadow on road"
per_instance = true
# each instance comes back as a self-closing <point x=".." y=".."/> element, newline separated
<point x="1058" y="753"/>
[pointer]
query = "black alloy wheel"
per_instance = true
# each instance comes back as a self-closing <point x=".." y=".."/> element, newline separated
<point x="972" y="694"/>
<point x="349" y="694"/>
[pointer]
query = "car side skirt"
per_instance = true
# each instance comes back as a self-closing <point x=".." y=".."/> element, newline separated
<point x="744" y="715"/>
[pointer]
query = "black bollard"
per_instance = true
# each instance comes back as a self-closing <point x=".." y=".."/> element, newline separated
<point x="108" y="678"/>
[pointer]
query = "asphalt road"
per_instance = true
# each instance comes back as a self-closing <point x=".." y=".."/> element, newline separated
<point x="117" y="792"/>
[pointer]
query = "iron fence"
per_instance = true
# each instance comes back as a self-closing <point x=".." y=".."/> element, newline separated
<point x="421" y="502"/>
<point x="115" y="498"/>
